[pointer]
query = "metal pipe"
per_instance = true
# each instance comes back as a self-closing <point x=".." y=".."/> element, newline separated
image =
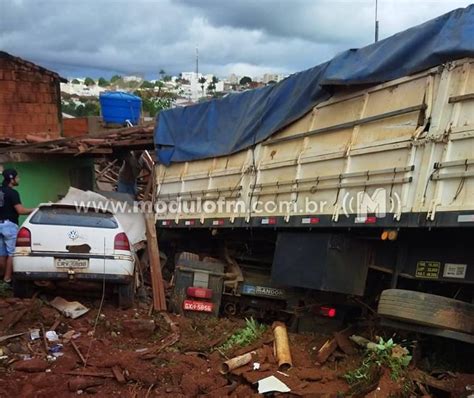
<point x="317" y="179"/>
<point x="281" y="346"/>
<point x="315" y="188"/>
<point x="237" y="362"/>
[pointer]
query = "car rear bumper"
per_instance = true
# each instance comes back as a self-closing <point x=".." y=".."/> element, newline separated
<point x="112" y="268"/>
<point x="59" y="276"/>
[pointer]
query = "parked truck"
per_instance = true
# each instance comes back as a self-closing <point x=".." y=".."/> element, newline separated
<point x="368" y="197"/>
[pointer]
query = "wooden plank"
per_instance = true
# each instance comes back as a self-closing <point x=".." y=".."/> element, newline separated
<point x="55" y="324"/>
<point x="344" y="343"/>
<point x="78" y="352"/>
<point x="106" y="168"/>
<point x="62" y="151"/>
<point x="148" y="188"/>
<point x="133" y="142"/>
<point x="159" y="303"/>
<point x="118" y="374"/>
<point x="88" y="374"/>
<point x="326" y="350"/>
<point x="148" y="127"/>
<point x="45" y="340"/>
<point x="11" y="336"/>
<point x="424" y="378"/>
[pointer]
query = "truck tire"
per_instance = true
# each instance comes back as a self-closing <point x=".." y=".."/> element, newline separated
<point x="427" y="310"/>
<point x="126" y="295"/>
<point x="22" y="289"/>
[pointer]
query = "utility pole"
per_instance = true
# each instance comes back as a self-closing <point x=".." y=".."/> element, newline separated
<point x="197" y="60"/>
<point x="376" y="22"/>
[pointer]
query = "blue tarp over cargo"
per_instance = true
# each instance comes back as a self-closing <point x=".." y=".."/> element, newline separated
<point x="238" y="121"/>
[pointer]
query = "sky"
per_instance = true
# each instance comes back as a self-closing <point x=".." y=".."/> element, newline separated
<point x="78" y="38"/>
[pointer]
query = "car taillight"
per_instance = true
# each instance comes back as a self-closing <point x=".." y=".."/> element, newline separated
<point x="199" y="292"/>
<point x="121" y="242"/>
<point x="23" y="239"/>
<point x="327" y="311"/>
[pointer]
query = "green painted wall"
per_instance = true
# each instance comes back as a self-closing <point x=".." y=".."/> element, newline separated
<point x="44" y="181"/>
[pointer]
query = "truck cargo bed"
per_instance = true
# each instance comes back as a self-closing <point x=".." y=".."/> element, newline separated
<point x="399" y="154"/>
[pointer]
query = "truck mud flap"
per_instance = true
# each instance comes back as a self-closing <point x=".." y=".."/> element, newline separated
<point x="321" y="261"/>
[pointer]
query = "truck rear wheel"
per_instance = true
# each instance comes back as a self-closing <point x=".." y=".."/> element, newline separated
<point x="427" y="309"/>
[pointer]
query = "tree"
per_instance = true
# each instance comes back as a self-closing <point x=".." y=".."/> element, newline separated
<point x="166" y="78"/>
<point x="69" y="108"/>
<point x="162" y="73"/>
<point x="114" y="78"/>
<point x="245" y="80"/>
<point x="91" y="108"/>
<point x="103" y="82"/>
<point x="75" y="81"/>
<point x="153" y="105"/>
<point x="147" y="84"/>
<point x="160" y="86"/>
<point x="89" y="82"/>
<point x="80" y="111"/>
<point x="212" y="85"/>
<point x="202" y="82"/>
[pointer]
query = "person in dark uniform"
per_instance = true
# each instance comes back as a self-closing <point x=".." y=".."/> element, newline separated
<point x="10" y="209"/>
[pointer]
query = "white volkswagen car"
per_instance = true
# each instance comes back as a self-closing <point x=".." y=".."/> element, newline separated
<point x="59" y="243"/>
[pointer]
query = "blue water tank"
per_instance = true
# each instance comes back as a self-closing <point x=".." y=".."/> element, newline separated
<point x="117" y="107"/>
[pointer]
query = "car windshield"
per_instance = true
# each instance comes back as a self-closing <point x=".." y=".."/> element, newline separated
<point x="73" y="217"/>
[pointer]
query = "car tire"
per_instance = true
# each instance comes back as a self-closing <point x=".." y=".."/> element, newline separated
<point x="427" y="310"/>
<point x="22" y="289"/>
<point x="126" y="295"/>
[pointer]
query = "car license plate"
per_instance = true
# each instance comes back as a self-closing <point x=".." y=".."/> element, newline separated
<point x="202" y="306"/>
<point x="71" y="262"/>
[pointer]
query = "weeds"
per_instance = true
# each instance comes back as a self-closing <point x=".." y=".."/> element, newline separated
<point x="384" y="354"/>
<point x="245" y="336"/>
<point x="5" y="290"/>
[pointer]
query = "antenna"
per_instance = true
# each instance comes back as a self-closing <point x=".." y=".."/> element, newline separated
<point x="376" y="22"/>
<point x="197" y="60"/>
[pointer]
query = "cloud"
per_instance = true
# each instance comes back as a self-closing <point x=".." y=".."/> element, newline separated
<point x="241" y="36"/>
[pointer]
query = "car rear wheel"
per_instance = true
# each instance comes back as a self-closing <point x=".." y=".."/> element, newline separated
<point x="126" y="295"/>
<point x="22" y="289"/>
<point x="427" y="310"/>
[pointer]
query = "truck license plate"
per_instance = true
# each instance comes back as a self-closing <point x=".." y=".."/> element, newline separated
<point x="202" y="306"/>
<point x="71" y="263"/>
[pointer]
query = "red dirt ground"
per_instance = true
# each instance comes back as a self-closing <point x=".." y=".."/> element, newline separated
<point x="187" y="368"/>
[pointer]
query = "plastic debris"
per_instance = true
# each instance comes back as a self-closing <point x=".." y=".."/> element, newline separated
<point x="70" y="309"/>
<point x="55" y="349"/>
<point x="34" y="334"/>
<point x="51" y="335"/>
<point x="271" y="383"/>
<point x="256" y="366"/>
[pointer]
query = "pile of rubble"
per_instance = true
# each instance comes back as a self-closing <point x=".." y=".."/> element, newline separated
<point x="49" y="350"/>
